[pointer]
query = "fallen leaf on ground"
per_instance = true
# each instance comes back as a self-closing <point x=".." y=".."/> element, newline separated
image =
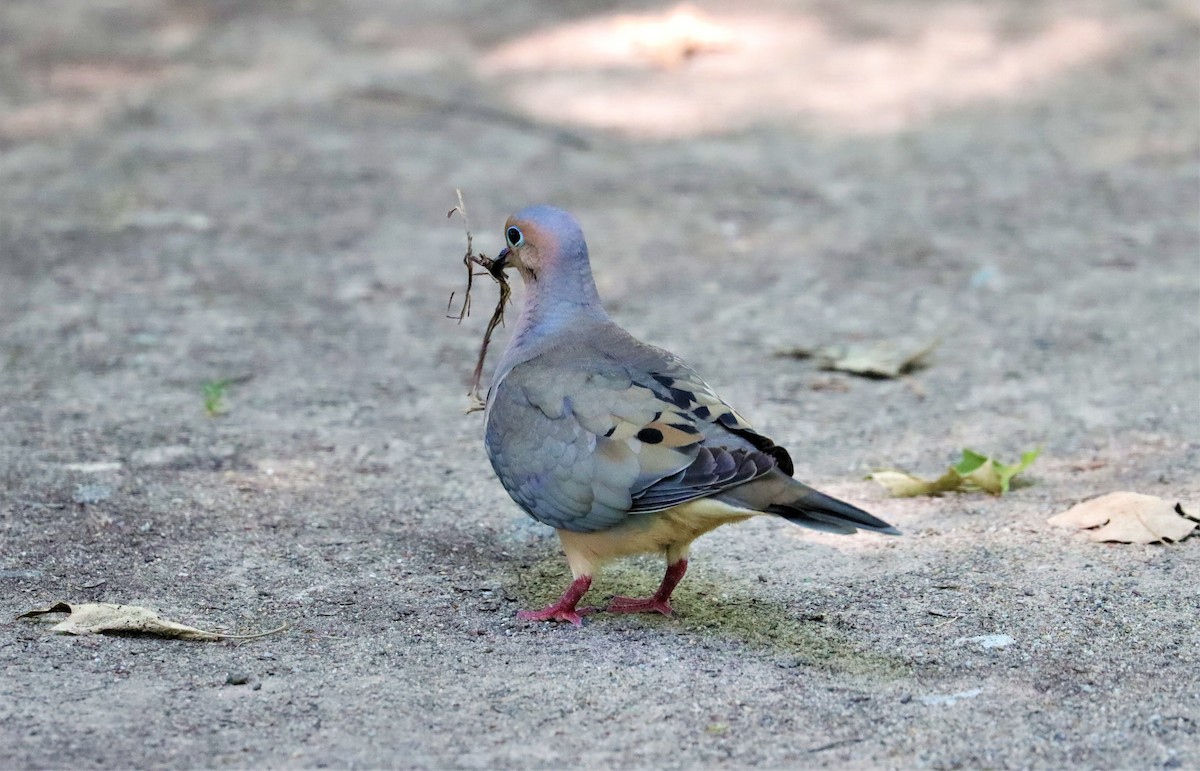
<point x="974" y="472"/>
<point x="100" y="617"/>
<point x="882" y="359"/>
<point x="904" y="485"/>
<point x="1127" y="517"/>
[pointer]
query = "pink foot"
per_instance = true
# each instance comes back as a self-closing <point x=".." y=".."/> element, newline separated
<point x="556" y="613"/>
<point x="660" y="602"/>
<point x="633" y="605"/>
<point x="564" y="609"/>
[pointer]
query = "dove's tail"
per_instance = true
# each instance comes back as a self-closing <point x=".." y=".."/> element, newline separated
<point x="798" y="503"/>
<point x="822" y="512"/>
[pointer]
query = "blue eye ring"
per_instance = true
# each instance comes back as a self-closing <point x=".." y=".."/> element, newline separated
<point x="514" y="237"/>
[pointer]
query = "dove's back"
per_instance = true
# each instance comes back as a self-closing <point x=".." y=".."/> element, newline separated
<point x="592" y="427"/>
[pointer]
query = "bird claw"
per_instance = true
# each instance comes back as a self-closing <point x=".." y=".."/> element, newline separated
<point x="635" y="605"/>
<point x="556" y="612"/>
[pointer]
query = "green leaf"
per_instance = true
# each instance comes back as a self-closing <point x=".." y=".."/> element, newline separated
<point x="1027" y="460"/>
<point x="978" y="471"/>
<point x="974" y="472"/>
<point x="971" y="461"/>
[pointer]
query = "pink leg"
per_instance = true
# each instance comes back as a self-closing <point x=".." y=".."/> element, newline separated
<point x="564" y="609"/>
<point x="660" y="602"/>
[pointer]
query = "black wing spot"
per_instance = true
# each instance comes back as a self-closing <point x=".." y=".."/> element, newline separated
<point x="782" y="459"/>
<point x="650" y="435"/>
<point x="686" y="428"/>
<point x="702" y="412"/>
<point x="680" y="397"/>
<point x="610" y="431"/>
<point x="760" y="442"/>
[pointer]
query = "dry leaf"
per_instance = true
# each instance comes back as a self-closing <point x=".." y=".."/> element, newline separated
<point x="883" y="359"/>
<point x="904" y="485"/>
<point x="1127" y="517"/>
<point x="100" y="617"/>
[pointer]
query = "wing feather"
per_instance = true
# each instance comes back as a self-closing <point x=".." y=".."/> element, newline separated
<point x="582" y="442"/>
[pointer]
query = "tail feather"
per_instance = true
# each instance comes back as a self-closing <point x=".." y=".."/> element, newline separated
<point x="796" y="502"/>
<point x="821" y="512"/>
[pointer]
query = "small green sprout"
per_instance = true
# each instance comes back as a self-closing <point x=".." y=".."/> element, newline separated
<point x="214" y="397"/>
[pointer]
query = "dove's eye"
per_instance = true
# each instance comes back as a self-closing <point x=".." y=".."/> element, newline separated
<point x="514" y="237"/>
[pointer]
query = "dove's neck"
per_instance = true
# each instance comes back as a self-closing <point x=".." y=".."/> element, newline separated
<point x="557" y="300"/>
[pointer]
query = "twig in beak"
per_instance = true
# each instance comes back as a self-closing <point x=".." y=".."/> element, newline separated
<point x="496" y="271"/>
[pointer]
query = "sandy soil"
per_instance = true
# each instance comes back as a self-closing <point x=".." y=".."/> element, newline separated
<point x="193" y="192"/>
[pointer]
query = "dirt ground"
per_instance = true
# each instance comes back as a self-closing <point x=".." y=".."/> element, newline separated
<point x="194" y="192"/>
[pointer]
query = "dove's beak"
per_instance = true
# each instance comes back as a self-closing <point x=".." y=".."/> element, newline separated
<point x="501" y="261"/>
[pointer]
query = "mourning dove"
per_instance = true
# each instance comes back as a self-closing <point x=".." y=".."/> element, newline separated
<point x="618" y="445"/>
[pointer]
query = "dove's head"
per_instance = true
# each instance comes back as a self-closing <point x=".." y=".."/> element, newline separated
<point x="546" y="245"/>
<point x="543" y="241"/>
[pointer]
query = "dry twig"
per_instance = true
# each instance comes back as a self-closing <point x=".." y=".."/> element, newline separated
<point x="470" y="260"/>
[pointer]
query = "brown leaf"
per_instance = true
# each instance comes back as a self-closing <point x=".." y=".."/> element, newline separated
<point x="1127" y="517"/>
<point x="100" y="617"/>
<point x="879" y="359"/>
<point x="904" y="485"/>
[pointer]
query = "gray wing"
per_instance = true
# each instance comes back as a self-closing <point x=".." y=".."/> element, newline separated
<point x="583" y="439"/>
